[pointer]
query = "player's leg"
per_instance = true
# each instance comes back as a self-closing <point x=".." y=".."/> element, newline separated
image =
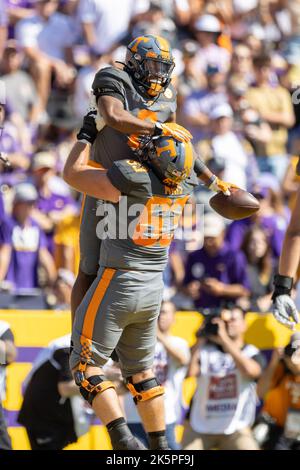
<point x="81" y="286"/>
<point x="97" y="328"/>
<point x="89" y="252"/>
<point x="136" y="353"/>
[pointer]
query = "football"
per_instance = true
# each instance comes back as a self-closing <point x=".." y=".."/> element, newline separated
<point x="239" y="205"/>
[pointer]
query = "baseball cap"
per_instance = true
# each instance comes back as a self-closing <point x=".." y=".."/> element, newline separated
<point x="25" y="192"/>
<point x="43" y="160"/>
<point x="208" y="23"/>
<point x="213" y="225"/>
<point x="221" y="110"/>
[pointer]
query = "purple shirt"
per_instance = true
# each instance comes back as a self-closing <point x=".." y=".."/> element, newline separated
<point x="274" y="226"/>
<point x="3" y="13"/>
<point x="227" y="266"/>
<point x="26" y="243"/>
<point x="55" y="202"/>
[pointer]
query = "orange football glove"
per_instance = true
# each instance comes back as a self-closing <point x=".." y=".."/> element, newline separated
<point x="175" y="130"/>
<point x="221" y="186"/>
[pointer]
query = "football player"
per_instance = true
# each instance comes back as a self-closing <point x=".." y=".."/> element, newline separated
<point x="135" y="100"/>
<point x="284" y="308"/>
<point x="119" y="311"/>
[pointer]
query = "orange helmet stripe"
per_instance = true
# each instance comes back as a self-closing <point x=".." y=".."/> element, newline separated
<point x="137" y="41"/>
<point x="165" y="47"/>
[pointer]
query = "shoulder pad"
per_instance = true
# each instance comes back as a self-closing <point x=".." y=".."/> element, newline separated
<point x="111" y="73"/>
<point x="128" y="176"/>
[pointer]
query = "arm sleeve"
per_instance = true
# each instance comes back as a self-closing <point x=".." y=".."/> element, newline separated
<point x="106" y="85"/>
<point x="62" y="357"/>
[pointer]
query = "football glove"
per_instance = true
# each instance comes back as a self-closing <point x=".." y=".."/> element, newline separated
<point x="218" y="186"/>
<point x="284" y="308"/>
<point x="88" y="131"/>
<point x="173" y="130"/>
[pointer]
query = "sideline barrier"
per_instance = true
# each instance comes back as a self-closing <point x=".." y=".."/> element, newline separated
<point x="33" y="330"/>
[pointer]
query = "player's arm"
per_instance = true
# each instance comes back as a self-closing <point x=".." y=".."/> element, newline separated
<point x="285" y="310"/>
<point x="86" y="179"/>
<point x="116" y="116"/>
<point x="209" y="179"/>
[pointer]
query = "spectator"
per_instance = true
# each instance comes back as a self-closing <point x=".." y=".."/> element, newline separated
<point x="171" y="358"/>
<point x="84" y="82"/>
<point x="241" y="64"/>
<point x="215" y="273"/>
<point x="20" y="89"/>
<point x="23" y="243"/>
<point x="223" y="406"/>
<point x="207" y="30"/>
<point x="199" y="105"/>
<point x="232" y="148"/>
<point x="66" y="240"/>
<point x="272" y="219"/>
<point x="274" y="106"/>
<point x="47" y="40"/>
<point x="8" y="354"/>
<point x="62" y="290"/>
<point x="51" y="208"/>
<point x="260" y="269"/>
<point x="247" y="120"/>
<point x="102" y="27"/>
<point x="52" y="412"/>
<point x="279" y="387"/>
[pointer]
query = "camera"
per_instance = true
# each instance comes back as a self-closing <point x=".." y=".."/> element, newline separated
<point x="209" y="328"/>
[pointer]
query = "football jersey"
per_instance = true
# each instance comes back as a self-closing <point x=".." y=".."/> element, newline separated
<point x="139" y="229"/>
<point x="110" y="144"/>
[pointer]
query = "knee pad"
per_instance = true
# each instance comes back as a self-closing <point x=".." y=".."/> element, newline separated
<point x="90" y="387"/>
<point x="145" y="390"/>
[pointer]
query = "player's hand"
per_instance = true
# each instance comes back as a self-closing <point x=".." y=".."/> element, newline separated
<point x="285" y="311"/>
<point x="175" y="130"/>
<point x="88" y="131"/>
<point x="221" y="186"/>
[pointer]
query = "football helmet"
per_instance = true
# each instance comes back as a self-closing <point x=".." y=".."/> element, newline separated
<point x="150" y="63"/>
<point x="170" y="159"/>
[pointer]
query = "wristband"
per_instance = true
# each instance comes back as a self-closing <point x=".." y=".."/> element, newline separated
<point x="283" y="285"/>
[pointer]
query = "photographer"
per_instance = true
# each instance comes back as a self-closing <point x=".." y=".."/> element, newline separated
<point x="223" y="406"/>
<point x="280" y="387"/>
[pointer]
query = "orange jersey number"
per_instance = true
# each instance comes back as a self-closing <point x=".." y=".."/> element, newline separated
<point x="158" y="221"/>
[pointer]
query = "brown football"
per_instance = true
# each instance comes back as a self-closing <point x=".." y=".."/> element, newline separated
<point x="239" y="205"/>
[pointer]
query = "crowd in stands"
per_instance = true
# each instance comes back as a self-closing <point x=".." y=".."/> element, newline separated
<point x="237" y="75"/>
<point x="237" y="71"/>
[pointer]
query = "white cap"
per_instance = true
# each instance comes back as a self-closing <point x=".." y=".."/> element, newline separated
<point x="208" y="23"/>
<point x="221" y="110"/>
<point x="25" y="192"/>
<point x="43" y="160"/>
<point x="213" y="225"/>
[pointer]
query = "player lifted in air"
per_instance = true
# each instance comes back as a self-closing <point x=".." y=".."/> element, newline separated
<point x="285" y="310"/>
<point x="137" y="100"/>
<point x="119" y="311"/>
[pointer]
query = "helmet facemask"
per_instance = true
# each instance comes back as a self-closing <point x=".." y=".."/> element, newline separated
<point x="152" y="73"/>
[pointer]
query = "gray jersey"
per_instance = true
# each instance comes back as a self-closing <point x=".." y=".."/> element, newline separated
<point x="140" y="228"/>
<point x="110" y="144"/>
